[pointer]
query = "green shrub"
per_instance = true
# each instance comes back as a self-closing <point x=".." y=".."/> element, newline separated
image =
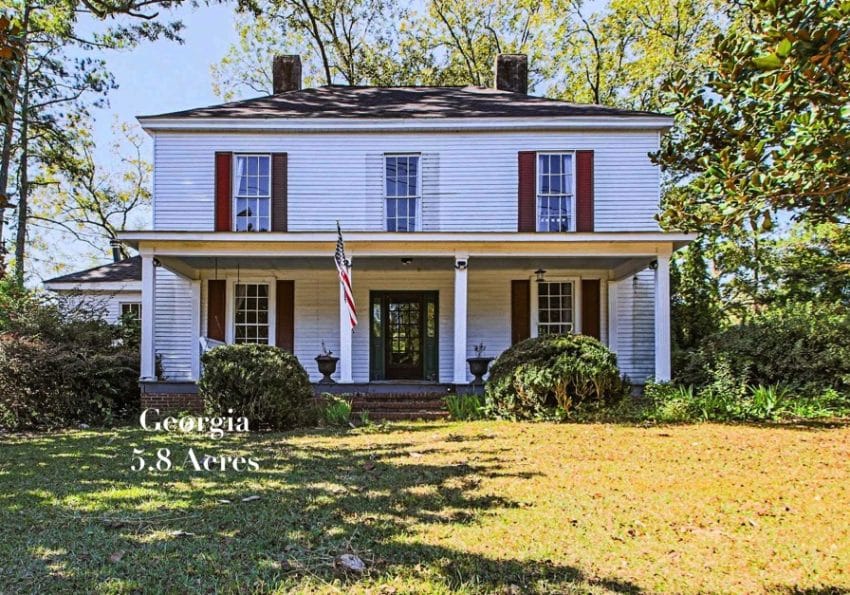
<point x="47" y="383"/>
<point x="672" y="403"/>
<point x="335" y="410"/>
<point x="263" y="383"/>
<point x="540" y="375"/>
<point x="465" y="407"/>
<point x="803" y="347"/>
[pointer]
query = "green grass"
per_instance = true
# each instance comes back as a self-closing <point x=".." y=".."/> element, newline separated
<point x="473" y="507"/>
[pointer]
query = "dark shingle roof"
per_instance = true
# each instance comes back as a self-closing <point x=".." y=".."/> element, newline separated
<point x="129" y="269"/>
<point x="400" y="102"/>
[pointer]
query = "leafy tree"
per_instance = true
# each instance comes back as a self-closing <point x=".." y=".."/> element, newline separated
<point x="378" y="42"/>
<point x="90" y="204"/>
<point x="54" y="82"/>
<point x="695" y="305"/>
<point x="621" y="52"/>
<point x="762" y="128"/>
<point x="340" y="41"/>
<point x="811" y="263"/>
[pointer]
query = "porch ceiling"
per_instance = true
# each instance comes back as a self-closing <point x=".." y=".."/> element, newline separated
<point x="191" y="266"/>
<point x="393" y="263"/>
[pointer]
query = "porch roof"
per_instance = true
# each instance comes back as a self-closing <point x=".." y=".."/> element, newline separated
<point x="188" y="253"/>
<point x="406" y="244"/>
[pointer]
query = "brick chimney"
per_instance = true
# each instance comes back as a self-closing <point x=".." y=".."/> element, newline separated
<point x="512" y="73"/>
<point x="286" y="74"/>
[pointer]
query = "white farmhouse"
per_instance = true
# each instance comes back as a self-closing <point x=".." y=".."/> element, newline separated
<point x="469" y="215"/>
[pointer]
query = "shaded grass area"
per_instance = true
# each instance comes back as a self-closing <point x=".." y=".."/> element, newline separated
<point x="474" y="507"/>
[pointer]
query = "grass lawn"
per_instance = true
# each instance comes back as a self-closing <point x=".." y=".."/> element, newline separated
<point x="435" y="507"/>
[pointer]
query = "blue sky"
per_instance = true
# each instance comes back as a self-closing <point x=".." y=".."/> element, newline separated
<point x="155" y="77"/>
<point x="166" y="76"/>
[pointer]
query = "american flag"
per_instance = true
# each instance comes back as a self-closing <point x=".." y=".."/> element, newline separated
<point x="344" y="267"/>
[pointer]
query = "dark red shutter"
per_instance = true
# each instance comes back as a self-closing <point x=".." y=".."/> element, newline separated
<point x="223" y="190"/>
<point x="526" y="191"/>
<point x="520" y="310"/>
<point x="216" y="309"/>
<point x="279" y="192"/>
<point x="584" y="190"/>
<point x="590" y="319"/>
<point x="285" y="315"/>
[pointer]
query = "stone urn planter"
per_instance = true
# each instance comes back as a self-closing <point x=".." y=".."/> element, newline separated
<point x="327" y="366"/>
<point x="478" y="367"/>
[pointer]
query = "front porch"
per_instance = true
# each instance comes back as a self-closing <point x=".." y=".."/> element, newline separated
<point x="461" y="290"/>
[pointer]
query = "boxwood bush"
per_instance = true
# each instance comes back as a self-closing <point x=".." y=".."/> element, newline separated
<point x="266" y="384"/>
<point x="553" y="373"/>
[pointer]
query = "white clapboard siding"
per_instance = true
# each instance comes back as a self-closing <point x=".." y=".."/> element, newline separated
<point x="469" y="179"/>
<point x="636" y="326"/>
<point x="106" y="304"/>
<point x="174" y="340"/>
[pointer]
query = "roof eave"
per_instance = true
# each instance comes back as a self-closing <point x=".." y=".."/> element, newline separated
<point x="153" y="124"/>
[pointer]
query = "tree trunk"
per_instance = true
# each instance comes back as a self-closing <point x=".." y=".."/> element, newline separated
<point x="6" y="152"/>
<point x="23" y="184"/>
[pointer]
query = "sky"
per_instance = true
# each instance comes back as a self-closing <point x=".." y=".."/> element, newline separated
<point x="152" y="78"/>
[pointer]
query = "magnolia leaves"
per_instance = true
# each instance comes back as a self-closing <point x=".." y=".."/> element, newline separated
<point x="764" y="128"/>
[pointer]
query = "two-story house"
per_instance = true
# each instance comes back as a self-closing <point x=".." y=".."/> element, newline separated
<point x="470" y="215"/>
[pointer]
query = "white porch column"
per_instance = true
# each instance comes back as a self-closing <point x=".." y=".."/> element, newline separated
<point x="148" y="363"/>
<point x="196" y="329"/>
<point x="460" y="315"/>
<point x="613" y="316"/>
<point x="662" y="318"/>
<point x="345" y="331"/>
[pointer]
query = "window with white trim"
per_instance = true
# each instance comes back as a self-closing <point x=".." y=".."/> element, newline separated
<point x="555" y="192"/>
<point x="131" y="310"/>
<point x="252" y="192"/>
<point x="251" y="310"/>
<point x="555" y="308"/>
<point x="402" y="185"/>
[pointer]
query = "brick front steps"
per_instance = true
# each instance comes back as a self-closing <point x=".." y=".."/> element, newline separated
<point x="400" y="406"/>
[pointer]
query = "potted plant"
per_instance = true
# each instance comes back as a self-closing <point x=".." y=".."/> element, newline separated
<point x="479" y="364"/>
<point x="327" y="364"/>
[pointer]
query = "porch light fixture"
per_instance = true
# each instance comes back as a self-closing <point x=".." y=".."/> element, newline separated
<point x="406" y="261"/>
<point x="156" y="263"/>
<point x="540" y="275"/>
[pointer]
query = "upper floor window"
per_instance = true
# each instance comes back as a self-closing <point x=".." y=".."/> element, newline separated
<point x="555" y="311"/>
<point x="403" y="191"/>
<point x="252" y="192"/>
<point x="555" y="192"/>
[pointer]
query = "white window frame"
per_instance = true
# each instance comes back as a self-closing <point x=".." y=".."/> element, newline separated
<point x="234" y="183"/>
<point x="230" y="331"/>
<point x="537" y="174"/>
<point x="576" y="307"/>
<point x="129" y="303"/>
<point x="417" y="224"/>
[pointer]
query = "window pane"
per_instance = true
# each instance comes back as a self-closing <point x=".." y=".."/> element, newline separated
<point x="251" y="313"/>
<point x="554" y="304"/>
<point x="402" y="185"/>
<point x="253" y="187"/>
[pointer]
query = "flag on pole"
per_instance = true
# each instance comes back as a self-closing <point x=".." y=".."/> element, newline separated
<point x="344" y="267"/>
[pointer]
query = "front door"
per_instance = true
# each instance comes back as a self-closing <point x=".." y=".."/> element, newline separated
<point x="403" y="335"/>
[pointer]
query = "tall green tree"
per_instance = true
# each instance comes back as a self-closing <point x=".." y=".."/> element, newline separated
<point x="56" y="79"/>
<point x="378" y="42"/>
<point x="695" y="306"/>
<point x="89" y="203"/>
<point x="620" y="52"/>
<point x="762" y="130"/>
